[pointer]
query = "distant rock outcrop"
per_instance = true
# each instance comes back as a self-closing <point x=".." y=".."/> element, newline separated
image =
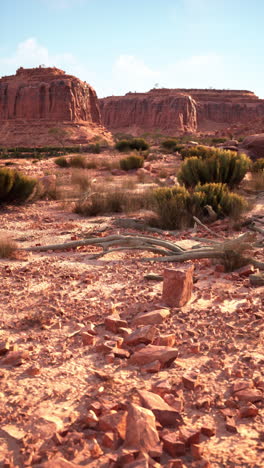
<point x="175" y="111"/>
<point x="137" y="112"/>
<point x="37" y="99"/>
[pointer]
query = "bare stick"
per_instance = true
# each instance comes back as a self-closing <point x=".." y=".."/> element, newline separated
<point x="207" y="228"/>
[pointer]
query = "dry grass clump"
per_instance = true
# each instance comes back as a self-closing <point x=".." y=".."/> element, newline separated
<point x="8" y="247"/>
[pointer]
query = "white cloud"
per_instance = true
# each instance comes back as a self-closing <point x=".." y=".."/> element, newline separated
<point x="30" y="53"/>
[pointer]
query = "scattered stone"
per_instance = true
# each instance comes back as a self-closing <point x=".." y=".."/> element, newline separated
<point x="90" y="419"/>
<point x="177" y="463"/>
<point x="152" y="318"/>
<point x="4" y="347"/>
<point x="231" y="425"/>
<point x="173" y="445"/>
<point x="115" y="421"/>
<point x="95" y="449"/>
<point x="121" y="353"/>
<point x="150" y="353"/>
<point x="178" y="285"/>
<point x="141" y="432"/>
<point x="245" y="270"/>
<point x="144" y="335"/>
<point x="14" y="358"/>
<point x="165" y="340"/>
<point x="87" y="339"/>
<point x="208" y="431"/>
<point x="161" y="387"/>
<point x="248" y="411"/>
<point x="249" y="395"/>
<point x="190" y="381"/>
<point x="113" y="323"/>
<point x="57" y="462"/>
<point x="151" y="368"/>
<point x="110" y="440"/>
<point x="189" y="436"/>
<point x="33" y="371"/>
<point x="164" y="413"/>
<point x="196" y="451"/>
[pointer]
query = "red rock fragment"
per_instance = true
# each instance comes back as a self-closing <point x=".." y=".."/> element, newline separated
<point x="95" y="449"/>
<point x="249" y="395"/>
<point x="165" y="414"/>
<point x="110" y="440"/>
<point x="115" y="421"/>
<point x="161" y="387"/>
<point x="113" y="323"/>
<point x="14" y="358"/>
<point x="173" y="445"/>
<point x="208" y="431"/>
<point x="190" y="381"/>
<point x="57" y="462"/>
<point x="165" y="340"/>
<point x="150" y="353"/>
<point x="121" y="353"/>
<point x="87" y="339"/>
<point x="248" y="411"/>
<point x="151" y="368"/>
<point x="33" y="371"/>
<point x="176" y="403"/>
<point x="231" y="425"/>
<point x="141" y="432"/>
<point x="245" y="270"/>
<point x="240" y="385"/>
<point x="4" y="347"/>
<point x="152" y="318"/>
<point x="144" y="335"/>
<point x="178" y="285"/>
<point x="189" y="436"/>
<point x="196" y="451"/>
<point x="90" y="419"/>
<point x="96" y="407"/>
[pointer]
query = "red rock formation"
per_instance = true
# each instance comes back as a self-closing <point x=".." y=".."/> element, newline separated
<point x="177" y="110"/>
<point x="149" y="111"/>
<point x="37" y="99"/>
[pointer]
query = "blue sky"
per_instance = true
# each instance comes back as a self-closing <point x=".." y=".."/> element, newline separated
<point x="131" y="45"/>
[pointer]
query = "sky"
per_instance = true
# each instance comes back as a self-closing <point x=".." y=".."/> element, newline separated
<point x="119" y="46"/>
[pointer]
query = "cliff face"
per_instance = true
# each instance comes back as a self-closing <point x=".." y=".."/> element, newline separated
<point x="148" y="112"/>
<point x="179" y="110"/>
<point x="43" y="98"/>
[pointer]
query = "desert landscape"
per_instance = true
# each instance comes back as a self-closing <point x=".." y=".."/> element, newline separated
<point x="132" y="284"/>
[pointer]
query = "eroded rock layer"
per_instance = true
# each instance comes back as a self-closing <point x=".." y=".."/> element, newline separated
<point x="37" y="99"/>
<point x="180" y="110"/>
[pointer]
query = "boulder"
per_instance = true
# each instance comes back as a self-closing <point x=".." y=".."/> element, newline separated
<point x="164" y="413"/>
<point x="141" y="432"/>
<point x="254" y="146"/>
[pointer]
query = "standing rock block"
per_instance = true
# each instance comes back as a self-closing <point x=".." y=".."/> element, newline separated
<point x="141" y="432"/>
<point x="178" y="285"/>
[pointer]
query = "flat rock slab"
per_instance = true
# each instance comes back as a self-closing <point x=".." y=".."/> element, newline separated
<point x="178" y="285"/>
<point x="152" y="318"/>
<point x="144" y="335"/>
<point x="150" y="353"/>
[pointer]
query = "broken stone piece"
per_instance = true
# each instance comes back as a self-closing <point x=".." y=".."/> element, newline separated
<point x="164" y="413"/>
<point x="141" y="432"/>
<point x="113" y="323"/>
<point x="144" y="335"/>
<point x="152" y="318"/>
<point x="150" y="353"/>
<point x="178" y="285"/>
<point x="173" y="445"/>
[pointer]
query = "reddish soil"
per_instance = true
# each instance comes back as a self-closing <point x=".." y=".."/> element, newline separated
<point x="51" y="380"/>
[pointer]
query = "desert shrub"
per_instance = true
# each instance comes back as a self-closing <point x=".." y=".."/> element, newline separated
<point x="78" y="161"/>
<point x="95" y="148"/>
<point x="199" y="151"/>
<point x="172" y="207"/>
<point x="258" y="165"/>
<point x="222" y="201"/>
<point x="14" y="186"/>
<point x="176" y="206"/>
<point x="61" y="162"/>
<point x="171" y="145"/>
<point x="7" y="247"/>
<point x="131" y="162"/>
<point x="138" y="144"/>
<point x="81" y="178"/>
<point x="222" y="166"/>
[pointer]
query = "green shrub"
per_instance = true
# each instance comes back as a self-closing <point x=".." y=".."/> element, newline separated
<point x="14" y="186"/>
<point x="138" y="144"/>
<point x="131" y="162"/>
<point x="171" y="145"/>
<point x="222" y="166"/>
<point x="61" y="161"/>
<point x="258" y="165"/>
<point x="176" y="206"/>
<point x="199" y="151"/>
<point x="95" y="148"/>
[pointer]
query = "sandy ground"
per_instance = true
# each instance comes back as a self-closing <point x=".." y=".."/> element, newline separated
<point x="48" y="299"/>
